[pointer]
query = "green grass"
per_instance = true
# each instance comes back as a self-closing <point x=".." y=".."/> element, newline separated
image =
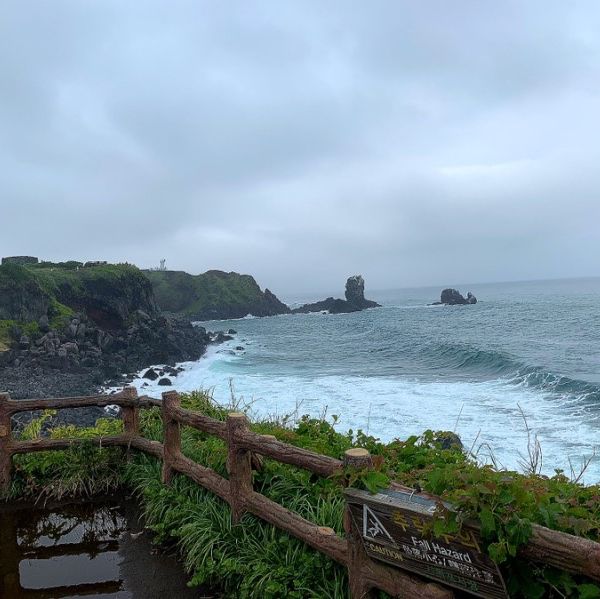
<point x="199" y="294"/>
<point x="69" y="282"/>
<point x="252" y="559"/>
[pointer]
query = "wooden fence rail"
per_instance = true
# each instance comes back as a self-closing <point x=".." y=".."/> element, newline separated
<point x="570" y="553"/>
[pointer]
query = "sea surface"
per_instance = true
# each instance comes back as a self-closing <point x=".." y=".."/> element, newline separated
<point x="527" y="356"/>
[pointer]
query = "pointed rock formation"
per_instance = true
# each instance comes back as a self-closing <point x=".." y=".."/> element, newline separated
<point x="355" y="300"/>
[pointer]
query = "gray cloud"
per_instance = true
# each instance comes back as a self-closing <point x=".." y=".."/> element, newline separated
<point x="417" y="143"/>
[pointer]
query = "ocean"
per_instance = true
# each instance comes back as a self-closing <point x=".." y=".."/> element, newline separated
<point x="526" y="357"/>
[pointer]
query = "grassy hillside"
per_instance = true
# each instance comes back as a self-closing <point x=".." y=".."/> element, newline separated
<point x="213" y="294"/>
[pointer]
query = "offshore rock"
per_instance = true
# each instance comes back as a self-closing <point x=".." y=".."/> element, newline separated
<point x="452" y="297"/>
<point x="355" y="300"/>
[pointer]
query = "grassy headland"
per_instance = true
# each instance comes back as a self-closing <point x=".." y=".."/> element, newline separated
<point x="213" y="295"/>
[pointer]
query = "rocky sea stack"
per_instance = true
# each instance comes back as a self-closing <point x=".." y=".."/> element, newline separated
<point x="355" y="300"/>
<point x="452" y="297"/>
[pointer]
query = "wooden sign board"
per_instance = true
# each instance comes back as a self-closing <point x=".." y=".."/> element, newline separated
<point x="393" y="525"/>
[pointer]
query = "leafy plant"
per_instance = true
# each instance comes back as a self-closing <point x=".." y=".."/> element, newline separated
<point x="253" y="559"/>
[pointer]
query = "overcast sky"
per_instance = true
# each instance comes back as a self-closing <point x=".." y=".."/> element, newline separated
<point x="416" y="143"/>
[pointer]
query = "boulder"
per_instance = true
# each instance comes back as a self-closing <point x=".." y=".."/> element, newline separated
<point x="220" y="337"/>
<point x="150" y="374"/>
<point x="165" y="382"/>
<point x="71" y="348"/>
<point x="44" y="323"/>
<point x="448" y="440"/>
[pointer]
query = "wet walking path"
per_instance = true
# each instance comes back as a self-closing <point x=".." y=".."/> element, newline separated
<point x="92" y="550"/>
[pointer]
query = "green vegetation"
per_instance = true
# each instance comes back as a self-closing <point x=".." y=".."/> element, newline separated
<point x="108" y="293"/>
<point x="80" y="471"/>
<point x="213" y="294"/>
<point x="253" y="559"/>
<point x="8" y="326"/>
<point x="68" y="281"/>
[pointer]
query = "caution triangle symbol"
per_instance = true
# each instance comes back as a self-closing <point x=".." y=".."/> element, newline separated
<point x="373" y="528"/>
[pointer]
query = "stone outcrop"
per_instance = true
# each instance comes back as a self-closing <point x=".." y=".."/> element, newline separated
<point x="452" y="297"/>
<point x="355" y="300"/>
<point x="83" y="344"/>
<point x="355" y="293"/>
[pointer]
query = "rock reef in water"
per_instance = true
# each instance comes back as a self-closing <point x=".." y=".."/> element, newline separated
<point x="355" y="300"/>
<point x="452" y="297"/>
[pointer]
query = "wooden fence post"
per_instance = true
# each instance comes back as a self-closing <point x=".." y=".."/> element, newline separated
<point x="131" y="416"/>
<point x="172" y="434"/>
<point x="5" y="441"/>
<point x="239" y="465"/>
<point x="359" y="588"/>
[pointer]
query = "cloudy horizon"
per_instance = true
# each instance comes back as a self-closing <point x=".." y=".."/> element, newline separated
<point x="415" y="143"/>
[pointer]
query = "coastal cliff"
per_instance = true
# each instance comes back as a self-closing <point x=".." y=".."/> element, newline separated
<point x="213" y="295"/>
<point x="66" y="328"/>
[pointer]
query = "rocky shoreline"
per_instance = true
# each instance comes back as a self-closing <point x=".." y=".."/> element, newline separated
<point x="82" y="357"/>
<point x="72" y="329"/>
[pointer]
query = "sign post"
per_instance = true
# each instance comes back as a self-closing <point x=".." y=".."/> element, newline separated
<point x="393" y="526"/>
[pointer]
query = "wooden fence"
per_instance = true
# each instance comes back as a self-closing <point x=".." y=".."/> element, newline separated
<point x="567" y="552"/>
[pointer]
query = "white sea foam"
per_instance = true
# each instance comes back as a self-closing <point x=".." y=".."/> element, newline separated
<point x="487" y="415"/>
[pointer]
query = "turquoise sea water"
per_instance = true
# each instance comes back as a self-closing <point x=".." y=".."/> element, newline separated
<point x="526" y="348"/>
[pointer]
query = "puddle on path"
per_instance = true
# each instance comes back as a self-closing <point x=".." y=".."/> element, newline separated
<point x="91" y="550"/>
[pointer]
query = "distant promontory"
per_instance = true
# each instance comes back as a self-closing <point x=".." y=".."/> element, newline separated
<point x="213" y="295"/>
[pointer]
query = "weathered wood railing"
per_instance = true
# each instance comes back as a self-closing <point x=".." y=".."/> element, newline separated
<point x="570" y="553"/>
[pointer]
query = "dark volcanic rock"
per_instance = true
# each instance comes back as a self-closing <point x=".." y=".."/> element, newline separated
<point x="165" y="382"/>
<point x="452" y="297"/>
<point x="58" y="363"/>
<point x="220" y="337"/>
<point x="355" y="300"/>
<point x="150" y="374"/>
<point x="448" y="440"/>
<point x="100" y="322"/>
